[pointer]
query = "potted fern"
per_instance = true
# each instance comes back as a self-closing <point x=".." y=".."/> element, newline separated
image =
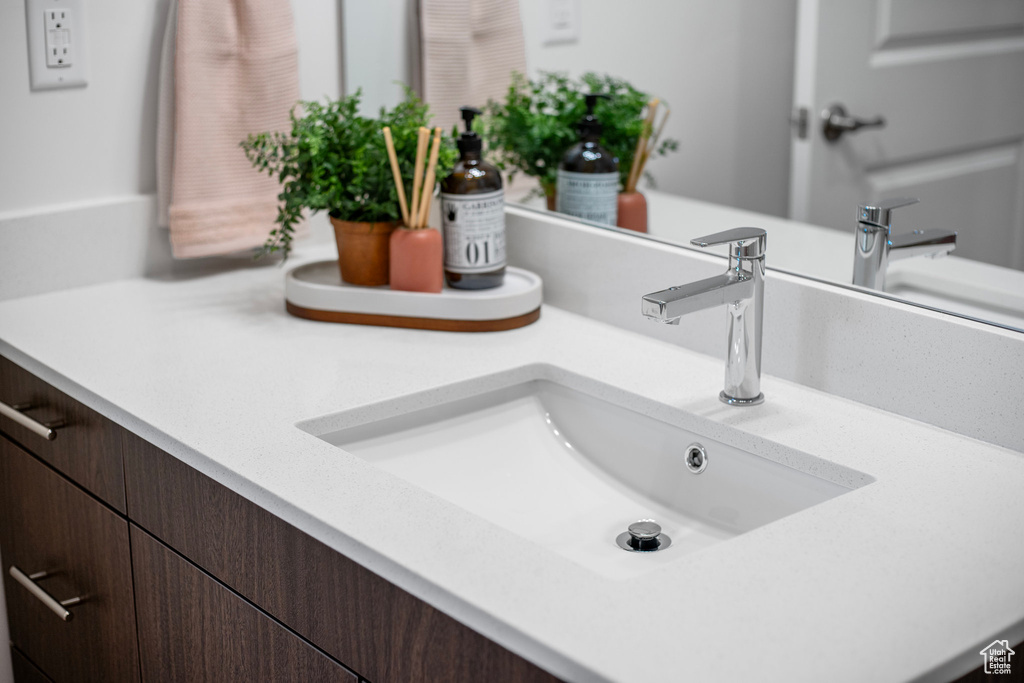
<point x="536" y="123"/>
<point x="335" y="160"/>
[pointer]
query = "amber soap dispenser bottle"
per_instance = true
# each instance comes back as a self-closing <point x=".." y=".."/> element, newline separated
<point x="588" y="177"/>
<point x="473" y="216"/>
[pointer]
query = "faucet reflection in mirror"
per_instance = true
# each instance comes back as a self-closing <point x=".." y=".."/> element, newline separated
<point x="876" y="246"/>
<point x="741" y="289"/>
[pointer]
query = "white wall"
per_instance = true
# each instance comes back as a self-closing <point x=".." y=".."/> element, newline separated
<point x="82" y="143"/>
<point x="724" y="66"/>
<point x="83" y="159"/>
<point x="381" y="43"/>
<point x="97" y="142"/>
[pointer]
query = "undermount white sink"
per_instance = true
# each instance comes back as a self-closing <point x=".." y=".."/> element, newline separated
<point x="570" y="471"/>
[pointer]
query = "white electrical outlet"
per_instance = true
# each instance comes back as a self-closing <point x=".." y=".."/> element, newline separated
<point x="56" y="52"/>
<point x="561" y="21"/>
<point x="57" y="23"/>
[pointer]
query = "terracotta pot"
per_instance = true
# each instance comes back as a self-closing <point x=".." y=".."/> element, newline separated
<point x="363" y="251"/>
<point x="552" y="203"/>
<point x="417" y="260"/>
<point x="632" y="211"/>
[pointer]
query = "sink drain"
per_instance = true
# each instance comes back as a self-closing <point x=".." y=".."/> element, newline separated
<point x="643" y="537"/>
<point x="696" y="458"/>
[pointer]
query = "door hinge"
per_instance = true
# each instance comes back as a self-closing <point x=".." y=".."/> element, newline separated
<point x="798" y="120"/>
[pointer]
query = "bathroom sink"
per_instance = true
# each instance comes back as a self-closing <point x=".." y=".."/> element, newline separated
<point x="570" y="471"/>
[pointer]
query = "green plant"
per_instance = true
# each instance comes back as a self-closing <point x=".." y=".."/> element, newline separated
<point x="335" y="160"/>
<point x="532" y="129"/>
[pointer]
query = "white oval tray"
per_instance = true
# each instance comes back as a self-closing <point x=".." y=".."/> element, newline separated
<point x="315" y="291"/>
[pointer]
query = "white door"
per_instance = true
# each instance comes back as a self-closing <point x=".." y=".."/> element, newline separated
<point x="948" y="78"/>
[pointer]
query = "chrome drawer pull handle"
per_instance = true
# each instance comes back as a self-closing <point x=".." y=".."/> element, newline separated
<point x="47" y="430"/>
<point x="55" y="605"/>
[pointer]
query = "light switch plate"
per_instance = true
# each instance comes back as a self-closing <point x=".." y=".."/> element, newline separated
<point x="56" y="43"/>
<point x="561" y="21"/>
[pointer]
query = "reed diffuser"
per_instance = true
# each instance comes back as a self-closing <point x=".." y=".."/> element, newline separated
<point x="417" y="251"/>
<point x="632" y="212"/>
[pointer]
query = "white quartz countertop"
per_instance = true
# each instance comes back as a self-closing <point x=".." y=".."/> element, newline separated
<point x="886" y="582"/>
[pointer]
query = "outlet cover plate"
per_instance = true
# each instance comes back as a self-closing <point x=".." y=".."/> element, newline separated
<point x="44" y="76"/>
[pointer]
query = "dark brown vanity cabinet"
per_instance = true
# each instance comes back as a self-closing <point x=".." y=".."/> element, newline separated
<point x="181" y="579"/>
<point x="87" y="446"/>
<point x="191" y="628"/>
<point x="91" y="597"/>
<point x="49" y="525"/>
<point x="369" y="624"/>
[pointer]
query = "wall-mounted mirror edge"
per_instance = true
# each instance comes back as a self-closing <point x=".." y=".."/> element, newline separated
<point x="540" y="211"/>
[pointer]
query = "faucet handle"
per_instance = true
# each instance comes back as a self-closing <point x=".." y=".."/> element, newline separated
<point x="880" y="214"/>
<point x="744" y="242"/>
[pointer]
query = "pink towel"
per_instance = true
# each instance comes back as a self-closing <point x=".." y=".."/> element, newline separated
<point x="236" y="73"/>
<point x="469" y="49"/>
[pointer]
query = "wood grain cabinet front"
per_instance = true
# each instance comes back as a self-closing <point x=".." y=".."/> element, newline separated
<point x="192" y="628"/>
<point x="370" y="625"/>
<point x="67" y="574"/>
<point x="85" y="445"/>
<point x="25" y="671"/>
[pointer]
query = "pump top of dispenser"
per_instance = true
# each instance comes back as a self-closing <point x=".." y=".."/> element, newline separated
<point x="470" y="140"/>
<point x="589" y="125"/>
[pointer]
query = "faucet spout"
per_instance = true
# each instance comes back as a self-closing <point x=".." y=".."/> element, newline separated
<point x="930" y="243"/>
<point x="670" y="304"/>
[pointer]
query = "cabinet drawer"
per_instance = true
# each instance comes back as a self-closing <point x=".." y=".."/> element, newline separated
<point x="25" y="671"/>
<point x="191" y="628"/>
<point x="49" y="525"/>
<point x="87" y="448"/>
<point x="379" y="630"/>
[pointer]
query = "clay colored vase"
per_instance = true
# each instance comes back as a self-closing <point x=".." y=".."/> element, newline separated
<point x="363" y="251"/>
<point x="552" y="200"/>
<point x="632" y="211"/>
<point x="417" y="260"/>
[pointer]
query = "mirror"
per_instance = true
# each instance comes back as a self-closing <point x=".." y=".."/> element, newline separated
<point x="745" y="79"/>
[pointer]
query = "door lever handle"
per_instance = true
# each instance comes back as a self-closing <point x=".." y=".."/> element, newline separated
<point x="835" y="122"/>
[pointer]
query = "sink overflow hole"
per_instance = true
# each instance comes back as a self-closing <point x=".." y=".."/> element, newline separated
<point x="696" y="458"/>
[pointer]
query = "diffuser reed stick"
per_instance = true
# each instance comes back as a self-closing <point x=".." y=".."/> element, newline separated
<point x="396" y="173"/>
<point x="641" y="145"/>
<point x="428" y="183"/>
<point x="423" y="136"/>
<point x="652" y="143"/>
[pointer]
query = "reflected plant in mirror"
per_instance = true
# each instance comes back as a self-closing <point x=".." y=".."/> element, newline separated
<point x="530" y="131"/>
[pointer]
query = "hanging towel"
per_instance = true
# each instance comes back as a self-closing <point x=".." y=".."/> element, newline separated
<point x="468" y="50"/>
<point x="235" y="73"/>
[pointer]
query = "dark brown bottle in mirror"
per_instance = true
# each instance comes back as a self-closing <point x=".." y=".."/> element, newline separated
<point x="473" y="216"/>
<point x="588" y="177"/>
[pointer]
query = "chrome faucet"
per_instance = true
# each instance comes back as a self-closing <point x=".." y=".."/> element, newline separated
<point x="876" y="246"/>
<point x="741" y="290"/>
